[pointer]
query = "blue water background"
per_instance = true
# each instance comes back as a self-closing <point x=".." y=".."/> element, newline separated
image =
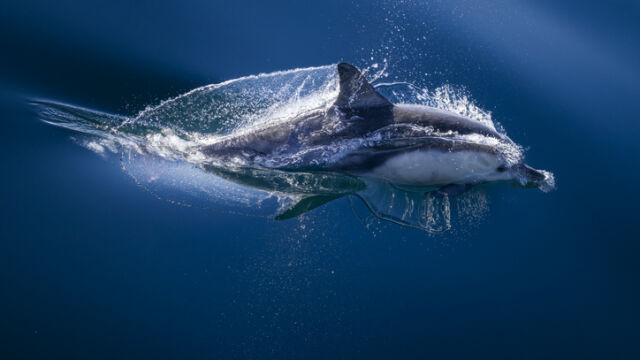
<point x="92" y="266"/>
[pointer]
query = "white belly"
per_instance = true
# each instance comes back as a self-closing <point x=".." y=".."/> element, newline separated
<point x="425" y="168"/>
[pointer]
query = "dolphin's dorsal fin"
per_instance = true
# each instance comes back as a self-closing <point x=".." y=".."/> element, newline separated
<point x="355" y="90"/>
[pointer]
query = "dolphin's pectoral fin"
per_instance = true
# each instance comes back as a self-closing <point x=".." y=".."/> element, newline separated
<point x="355" y="91"/>
<point x="306" y="204"/>
<point x="451" y="190"/>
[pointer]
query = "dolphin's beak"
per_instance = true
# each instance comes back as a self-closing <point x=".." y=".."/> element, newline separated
<point x="533" y="177"/>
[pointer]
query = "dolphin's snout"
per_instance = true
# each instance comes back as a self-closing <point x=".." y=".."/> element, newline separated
<point x="531" y="177"/>
<point x="533" y="174"/>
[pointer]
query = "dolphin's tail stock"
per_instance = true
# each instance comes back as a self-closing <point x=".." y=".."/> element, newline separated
<point x="76" y="118"/>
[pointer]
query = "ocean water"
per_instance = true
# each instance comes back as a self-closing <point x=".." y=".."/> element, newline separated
<point x="109" y="251"/>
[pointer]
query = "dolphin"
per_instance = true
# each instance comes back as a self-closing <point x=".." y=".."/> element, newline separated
<point x="442" y="151"/>
<point x="404" y="161"/>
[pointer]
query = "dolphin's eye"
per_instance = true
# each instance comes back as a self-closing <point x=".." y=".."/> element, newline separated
<point x="501" y="168"/>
